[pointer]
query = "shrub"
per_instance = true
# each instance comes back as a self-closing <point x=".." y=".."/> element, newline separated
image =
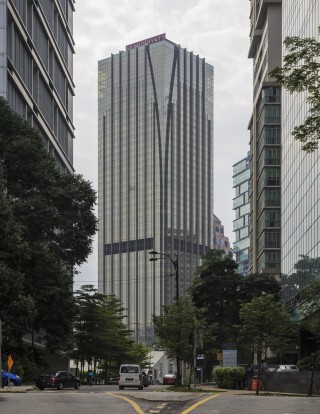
<point x="226" y="377"/>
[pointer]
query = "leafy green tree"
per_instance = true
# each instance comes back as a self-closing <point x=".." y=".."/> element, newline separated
<point x="310" y="307"/>
<point x="216" y="290"/>
<point x="300" y="73"/>
<point x="52" y="224"/>
<point x="265" y="322"/>
<point x="176" y="327"/>
<point x="99" y="331"/>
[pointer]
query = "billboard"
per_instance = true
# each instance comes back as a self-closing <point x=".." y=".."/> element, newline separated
<point x="146" y="42"/>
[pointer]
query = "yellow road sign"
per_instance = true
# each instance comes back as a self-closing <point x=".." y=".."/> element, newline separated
<point x="10" y="362"/>
<point x="219" y="356"/>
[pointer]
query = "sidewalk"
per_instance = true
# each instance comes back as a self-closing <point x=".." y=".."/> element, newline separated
<point x="18" y="389"/>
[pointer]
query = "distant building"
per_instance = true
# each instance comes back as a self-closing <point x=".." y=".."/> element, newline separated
<point x="241" y="207"/>
<point x="265" y="138"/>
<point x="36" y="69"/>
<point x="219" y="240"/>
<point x="155" y="174"/>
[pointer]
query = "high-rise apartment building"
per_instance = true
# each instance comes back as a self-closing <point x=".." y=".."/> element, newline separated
<point x="265" y="138"/>
<point x="36" y="55"/>
<point x="155" y="174"/>
<point x="241" y="207"/>
<point x="300" y="170"/>
<point x="220" y="240"/>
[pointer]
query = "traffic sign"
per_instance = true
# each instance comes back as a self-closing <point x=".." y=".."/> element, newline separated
<point x="10" y="362"/>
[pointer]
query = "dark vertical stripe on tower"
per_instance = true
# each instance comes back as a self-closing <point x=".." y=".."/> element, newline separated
<point x="146" y="272"/>
<point x="197" y="149"/>
<point x="137" y="189"/>
<point x="104" y="211"/>
<point x="191" y="149"/>
<point x="205" y="195"/>
<point x="128" y="182"/>
<point x="112" y="170"/>
<point x="179" y="180"/>
<point x="119" y="138"/>
<point x="157" y="132"/>
<point x="186" y="172"/>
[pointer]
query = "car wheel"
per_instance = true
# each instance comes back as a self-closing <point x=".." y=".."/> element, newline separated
<point x="60" y="386"/>
<point x="12" y="384"/>
<point x="77" y="386"/>
<point x="141" y="387"/>
<point x="41" y="388"/>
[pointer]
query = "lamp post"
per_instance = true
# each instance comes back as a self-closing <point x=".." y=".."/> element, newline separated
<point x="176" y="268"/>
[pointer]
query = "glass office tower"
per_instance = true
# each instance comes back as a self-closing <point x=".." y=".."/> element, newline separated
<point x="36" y="72"/>
<point x="301" y="171"/>
<point x="241" y="207"/>
<point x="155" y="174"/>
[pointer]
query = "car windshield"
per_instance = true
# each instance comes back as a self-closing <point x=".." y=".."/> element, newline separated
<point x="129" y="369"/>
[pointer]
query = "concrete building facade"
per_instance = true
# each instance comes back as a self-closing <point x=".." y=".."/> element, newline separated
<point x="36" y="72"/>
<point x="155" y="174"/>
<point x="265" y="138"/>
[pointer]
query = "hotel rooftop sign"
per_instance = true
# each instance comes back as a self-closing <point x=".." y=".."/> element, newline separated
<point x="146" y="42"/>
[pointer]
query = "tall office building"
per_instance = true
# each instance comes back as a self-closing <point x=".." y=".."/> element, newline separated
<point x="301" y="171"/>
<point x="241" y="207"/>
<point x="155" y="174"/>
<point x="36" y="55"/>
<point x="265" y="138"/>
<point x="220" y="240"/>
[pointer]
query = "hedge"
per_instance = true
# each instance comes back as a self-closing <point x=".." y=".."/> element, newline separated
<point x="227" y="377"/>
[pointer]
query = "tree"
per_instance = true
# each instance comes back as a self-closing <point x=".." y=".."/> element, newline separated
<point x="176" y="327"/>
<point x="300" y="73"/>
<point x="310" y="309"/>
<point x="100" y="334"/>
<point x="215" y="289"/>
<point x="265" y="323"/>
<point x="52" y="226"/>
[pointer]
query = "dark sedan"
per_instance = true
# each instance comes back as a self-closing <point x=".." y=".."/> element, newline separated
<point x="58" y="380"/>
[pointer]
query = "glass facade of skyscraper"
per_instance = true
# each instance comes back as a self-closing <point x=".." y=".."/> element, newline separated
<point x="241" y="207"/>
<point x="36" y="69"/>
<point x="301" y="171"/>
<point x="155" y="174"/>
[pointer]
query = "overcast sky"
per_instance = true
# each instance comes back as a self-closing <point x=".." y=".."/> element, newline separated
<point x="216" y="30"/>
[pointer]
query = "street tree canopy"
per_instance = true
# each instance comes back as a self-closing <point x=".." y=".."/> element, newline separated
<point x="265" y="323"/>
<point x="47" y="223"/>
<point x="301" y="73"/>
<point x="310" y="307"/>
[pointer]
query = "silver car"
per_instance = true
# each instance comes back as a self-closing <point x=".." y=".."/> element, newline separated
<point x="283" y="368"/>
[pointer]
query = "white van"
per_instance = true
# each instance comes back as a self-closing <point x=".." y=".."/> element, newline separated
<point x="130" y="375"/>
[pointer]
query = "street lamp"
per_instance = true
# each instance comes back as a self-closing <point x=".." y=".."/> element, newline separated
<point x="165" y="256"/>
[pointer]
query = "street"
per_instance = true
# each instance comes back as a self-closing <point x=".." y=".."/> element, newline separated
<point x="109" y="400"/>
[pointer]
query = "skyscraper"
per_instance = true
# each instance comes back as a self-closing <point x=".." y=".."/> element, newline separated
<point x="301" y="171"/>
<point x="265" y="138"/>
<point x="36" y="55"/>
<point x="241" y="206"/>
<point x="220" y="240"/>
<point x="155" y="174"/>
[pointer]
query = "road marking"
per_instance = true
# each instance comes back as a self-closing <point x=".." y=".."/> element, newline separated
<point x="134" y="404"/>
<point x="188" y="410"/>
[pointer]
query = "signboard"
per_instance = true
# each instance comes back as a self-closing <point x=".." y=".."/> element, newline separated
<point x="219" y="356"/>
<point x="146" y="42"/>
<point x="10" y="362"/>
<point x="229" y="357"/>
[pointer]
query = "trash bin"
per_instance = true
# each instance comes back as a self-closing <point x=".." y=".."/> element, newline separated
<point x="255" y="383"/>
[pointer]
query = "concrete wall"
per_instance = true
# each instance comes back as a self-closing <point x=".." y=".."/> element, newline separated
<point x="291" y="382"/>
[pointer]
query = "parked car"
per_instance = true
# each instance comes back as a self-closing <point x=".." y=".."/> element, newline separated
<point x="58" y="380"/>
<point x="14" y="379"/>
<point x="283" y="368"/>
<point x="169" y="379"/>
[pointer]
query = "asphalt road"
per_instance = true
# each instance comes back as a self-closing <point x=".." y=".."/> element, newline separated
<point x="109" y="400"/>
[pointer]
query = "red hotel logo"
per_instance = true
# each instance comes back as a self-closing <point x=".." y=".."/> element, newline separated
<point x="146" y="42"/>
